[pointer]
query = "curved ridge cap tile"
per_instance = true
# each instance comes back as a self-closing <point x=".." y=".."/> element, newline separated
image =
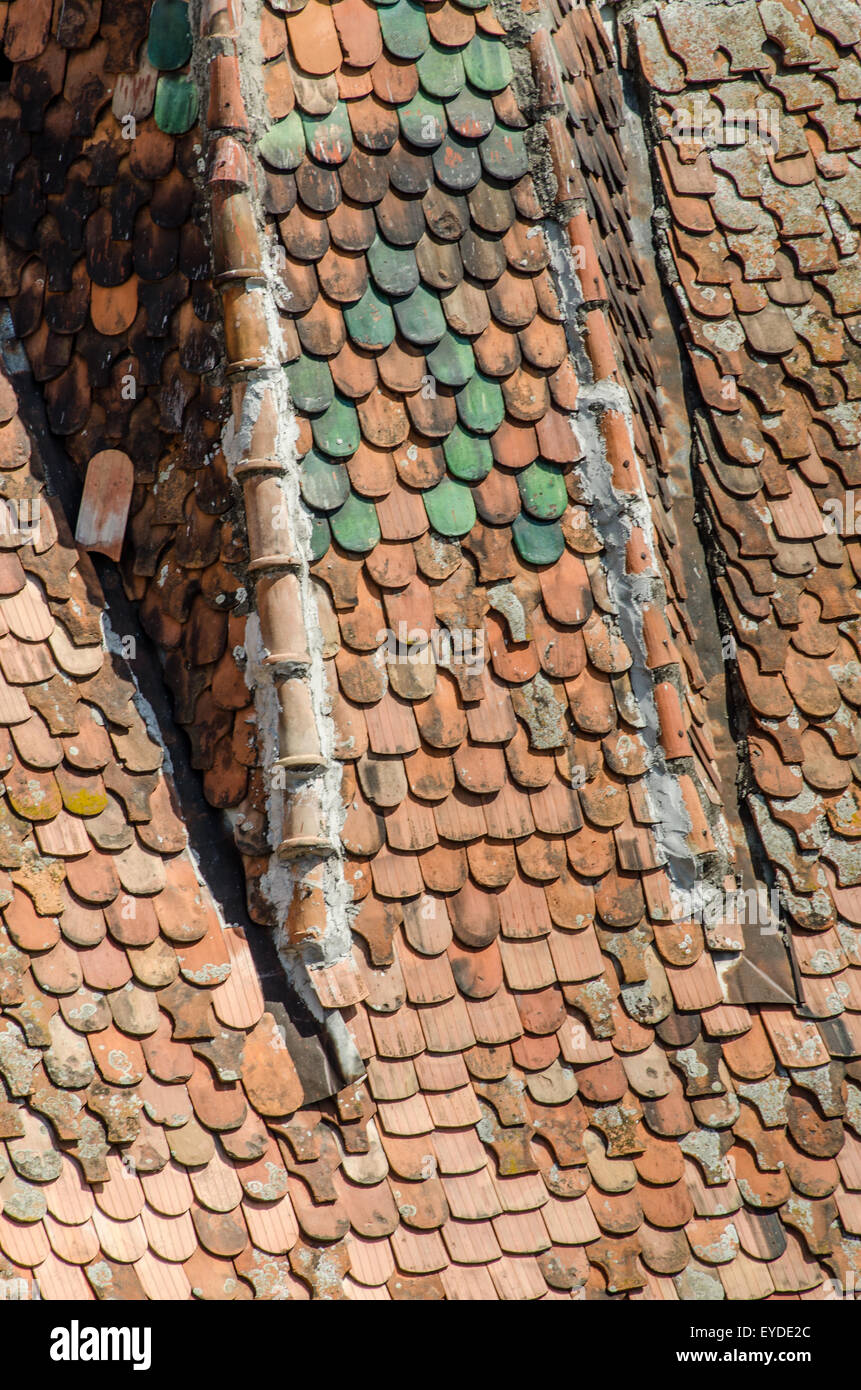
<point x="238" y="265"/>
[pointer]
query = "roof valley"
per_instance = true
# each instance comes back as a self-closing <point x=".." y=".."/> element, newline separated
<point x="624" y="518"/>
<point x="676" y="487"/>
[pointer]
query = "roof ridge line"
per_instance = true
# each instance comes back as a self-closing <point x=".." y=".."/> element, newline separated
<point x="305" y="882"/>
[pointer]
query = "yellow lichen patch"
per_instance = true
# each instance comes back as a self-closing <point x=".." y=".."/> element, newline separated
<point x="84" y="803"/>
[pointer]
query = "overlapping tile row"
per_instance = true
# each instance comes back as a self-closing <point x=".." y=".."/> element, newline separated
<point x="106" y="266"/>
<point x="574" y="69"/>
<point x="558" y="1099"/>
<point x="578" y="91"/>
<point x="768" y="280"/>
<point x="601" y="182"/>
<point x="553" y="1075"/>
<point x="138" y="1067"/>
<point x="763" y="239"/>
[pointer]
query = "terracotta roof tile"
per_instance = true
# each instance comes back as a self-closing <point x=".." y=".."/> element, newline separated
<point x="521" y="976"/>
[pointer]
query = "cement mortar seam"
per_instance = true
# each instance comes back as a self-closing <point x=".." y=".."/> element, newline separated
<point x="279" y="883"/>
<point x="616" y="515"/>
<point x="662" y="221"/>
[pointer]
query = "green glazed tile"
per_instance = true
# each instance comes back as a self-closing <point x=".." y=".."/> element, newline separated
<point x="470" y="116"/>
<point x="169" y="42"/>
<point x="422" y="121"/>
<point x="405" y="29"/>
<point x="537" y="542"/>
<point x="283" y="145"/>
<point x="487" y="63"/>
<point x="467" y="456"/>
<point x="328" y="139"/>
<point x="452" y="361"/>
<point x="321" y="537"/>
<point x="420" y="317"/>
<point x="450" y="508"/>
<point x="355" y="525"/>
<point x="325" y="485"/>
<point x="336" y="431"/>
<point x="370" y="322"/>
<point x="311" y="384"/>
<point x="393" y="267"/>
<point x="542" y="490"/>
<point x="480" y="405"/>
<point x="441" y="71"/>
<point x="503" y="154"/>
<point x="175" y="105"/>
<point x="456" y="164"/>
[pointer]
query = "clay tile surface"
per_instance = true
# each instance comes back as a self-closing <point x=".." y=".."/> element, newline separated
<point x="462" y="586"/>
